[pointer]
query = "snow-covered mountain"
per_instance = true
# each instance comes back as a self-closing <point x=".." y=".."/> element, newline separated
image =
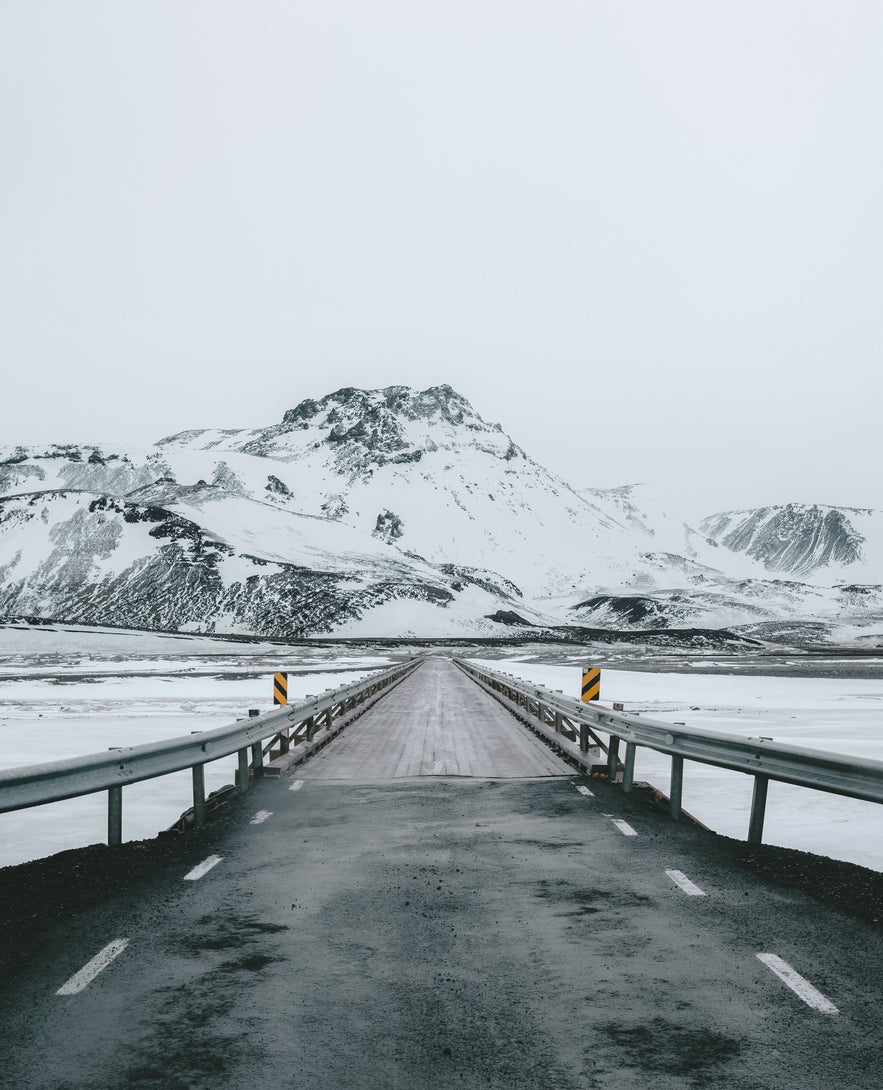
<point x="423" y="471"/>
<point x="805" y="539"/>
<point x="397" y="512"/>
<point x="662" y="530"/>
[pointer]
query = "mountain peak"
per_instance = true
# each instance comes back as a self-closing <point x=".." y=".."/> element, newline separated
<point x="352" y="405"/>
<point x="368" y="428"/>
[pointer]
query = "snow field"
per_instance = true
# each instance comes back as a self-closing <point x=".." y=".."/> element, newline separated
<point x="838" y="716"/>
<point x="41" y="720"/>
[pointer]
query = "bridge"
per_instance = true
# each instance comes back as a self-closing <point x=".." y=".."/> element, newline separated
<point x="437" y="879"/>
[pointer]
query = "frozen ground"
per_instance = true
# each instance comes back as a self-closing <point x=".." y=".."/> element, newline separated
<point x="837" y="715"/>
<point x="128" y="689"/>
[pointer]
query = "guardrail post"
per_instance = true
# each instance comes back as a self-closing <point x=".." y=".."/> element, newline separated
<point x="242" y="754"/>
<point x="584" y="737"/>
<point x="676" y="790"/>
<point x="198" y="795"/>
<point x="758" y="809"/>
<point x="114" y="815"/>
<point x="257" y="760"/>
<point x="612" y="757"/>
<point x="628" y="775"/>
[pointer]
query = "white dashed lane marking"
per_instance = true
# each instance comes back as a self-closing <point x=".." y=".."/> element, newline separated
<point x="203" y="868"/>
<point x="92" y="968"/>
<point x="584" y="791"/>
<point x="296" y="786"/>
<point x="680" y="879"/>
<point x="624" y="827"/>
<point x="798" y="984"/>
<point x="260" y="817"/>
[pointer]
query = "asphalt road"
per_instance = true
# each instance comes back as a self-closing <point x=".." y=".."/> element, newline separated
<point x="435" y="934"/>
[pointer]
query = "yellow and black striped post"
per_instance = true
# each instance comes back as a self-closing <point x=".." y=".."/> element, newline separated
<point x="591" y="684"/>
<point x="280" y="688"/>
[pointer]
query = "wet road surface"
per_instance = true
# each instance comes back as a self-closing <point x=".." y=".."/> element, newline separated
<point x="439" y="933"/>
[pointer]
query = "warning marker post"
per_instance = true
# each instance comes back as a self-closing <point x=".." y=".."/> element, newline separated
<point x="280" y="688"/>
<point x="280" y="697"/>
<point x="591" y="689"/>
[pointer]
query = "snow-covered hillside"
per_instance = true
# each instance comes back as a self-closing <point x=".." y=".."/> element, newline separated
<point x="840" y="543"/>
<point x="663" y="530"/>
<point x="399" y="512"/>
<point x="226" y="565"/>
<point x="422" y="470"/>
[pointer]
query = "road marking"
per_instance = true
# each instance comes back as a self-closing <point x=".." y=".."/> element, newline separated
<point x="624" y="827"/>
<point x="607" y="815"/>
<point x="584" y="791"/>
<point x="203" y="868"/>
<point x="260" y="817"/>
<point x="92" y="968"/>
<point x="798" y="984"/>
<point x="296" y="786"/>
<point x="680" y="879"/>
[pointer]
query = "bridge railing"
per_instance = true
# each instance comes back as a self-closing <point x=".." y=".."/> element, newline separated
<point x="573" y="726"/>
<point x="292" y="725"/>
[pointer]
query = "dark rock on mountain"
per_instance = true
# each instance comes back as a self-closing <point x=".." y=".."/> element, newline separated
<point x="388" y="527"/>
<point x="278" y="487"/>
<point x="491" y="581"/>
<point x="509" y="617"/>
<point x="624" y="609"/>
<point x="370" y="426"/>
<point x="699" y="639"/>
<point x="796" y="538"/>
<point x="798" y="634"/>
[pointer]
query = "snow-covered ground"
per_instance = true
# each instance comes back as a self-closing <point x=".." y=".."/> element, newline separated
<point x="65" y="706"/>
<point x="839" y="716"/>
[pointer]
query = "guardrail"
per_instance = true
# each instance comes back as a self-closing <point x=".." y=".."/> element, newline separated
<point x="570" y="724"/>
<point x="291" y="725"/>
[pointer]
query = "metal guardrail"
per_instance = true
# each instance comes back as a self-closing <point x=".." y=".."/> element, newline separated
<point x="572" y="726"/>
<point x="34" y="785"/>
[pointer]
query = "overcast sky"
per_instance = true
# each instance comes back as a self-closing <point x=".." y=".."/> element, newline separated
<point x="646" y="237"/>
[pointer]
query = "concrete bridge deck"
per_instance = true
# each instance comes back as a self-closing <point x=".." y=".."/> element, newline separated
<point x="428" y="932"/>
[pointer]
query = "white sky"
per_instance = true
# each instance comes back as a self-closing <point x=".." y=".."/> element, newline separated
<point x="646" y="237"/>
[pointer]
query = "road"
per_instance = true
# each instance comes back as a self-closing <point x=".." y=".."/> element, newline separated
<point x="436" y="932"/>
